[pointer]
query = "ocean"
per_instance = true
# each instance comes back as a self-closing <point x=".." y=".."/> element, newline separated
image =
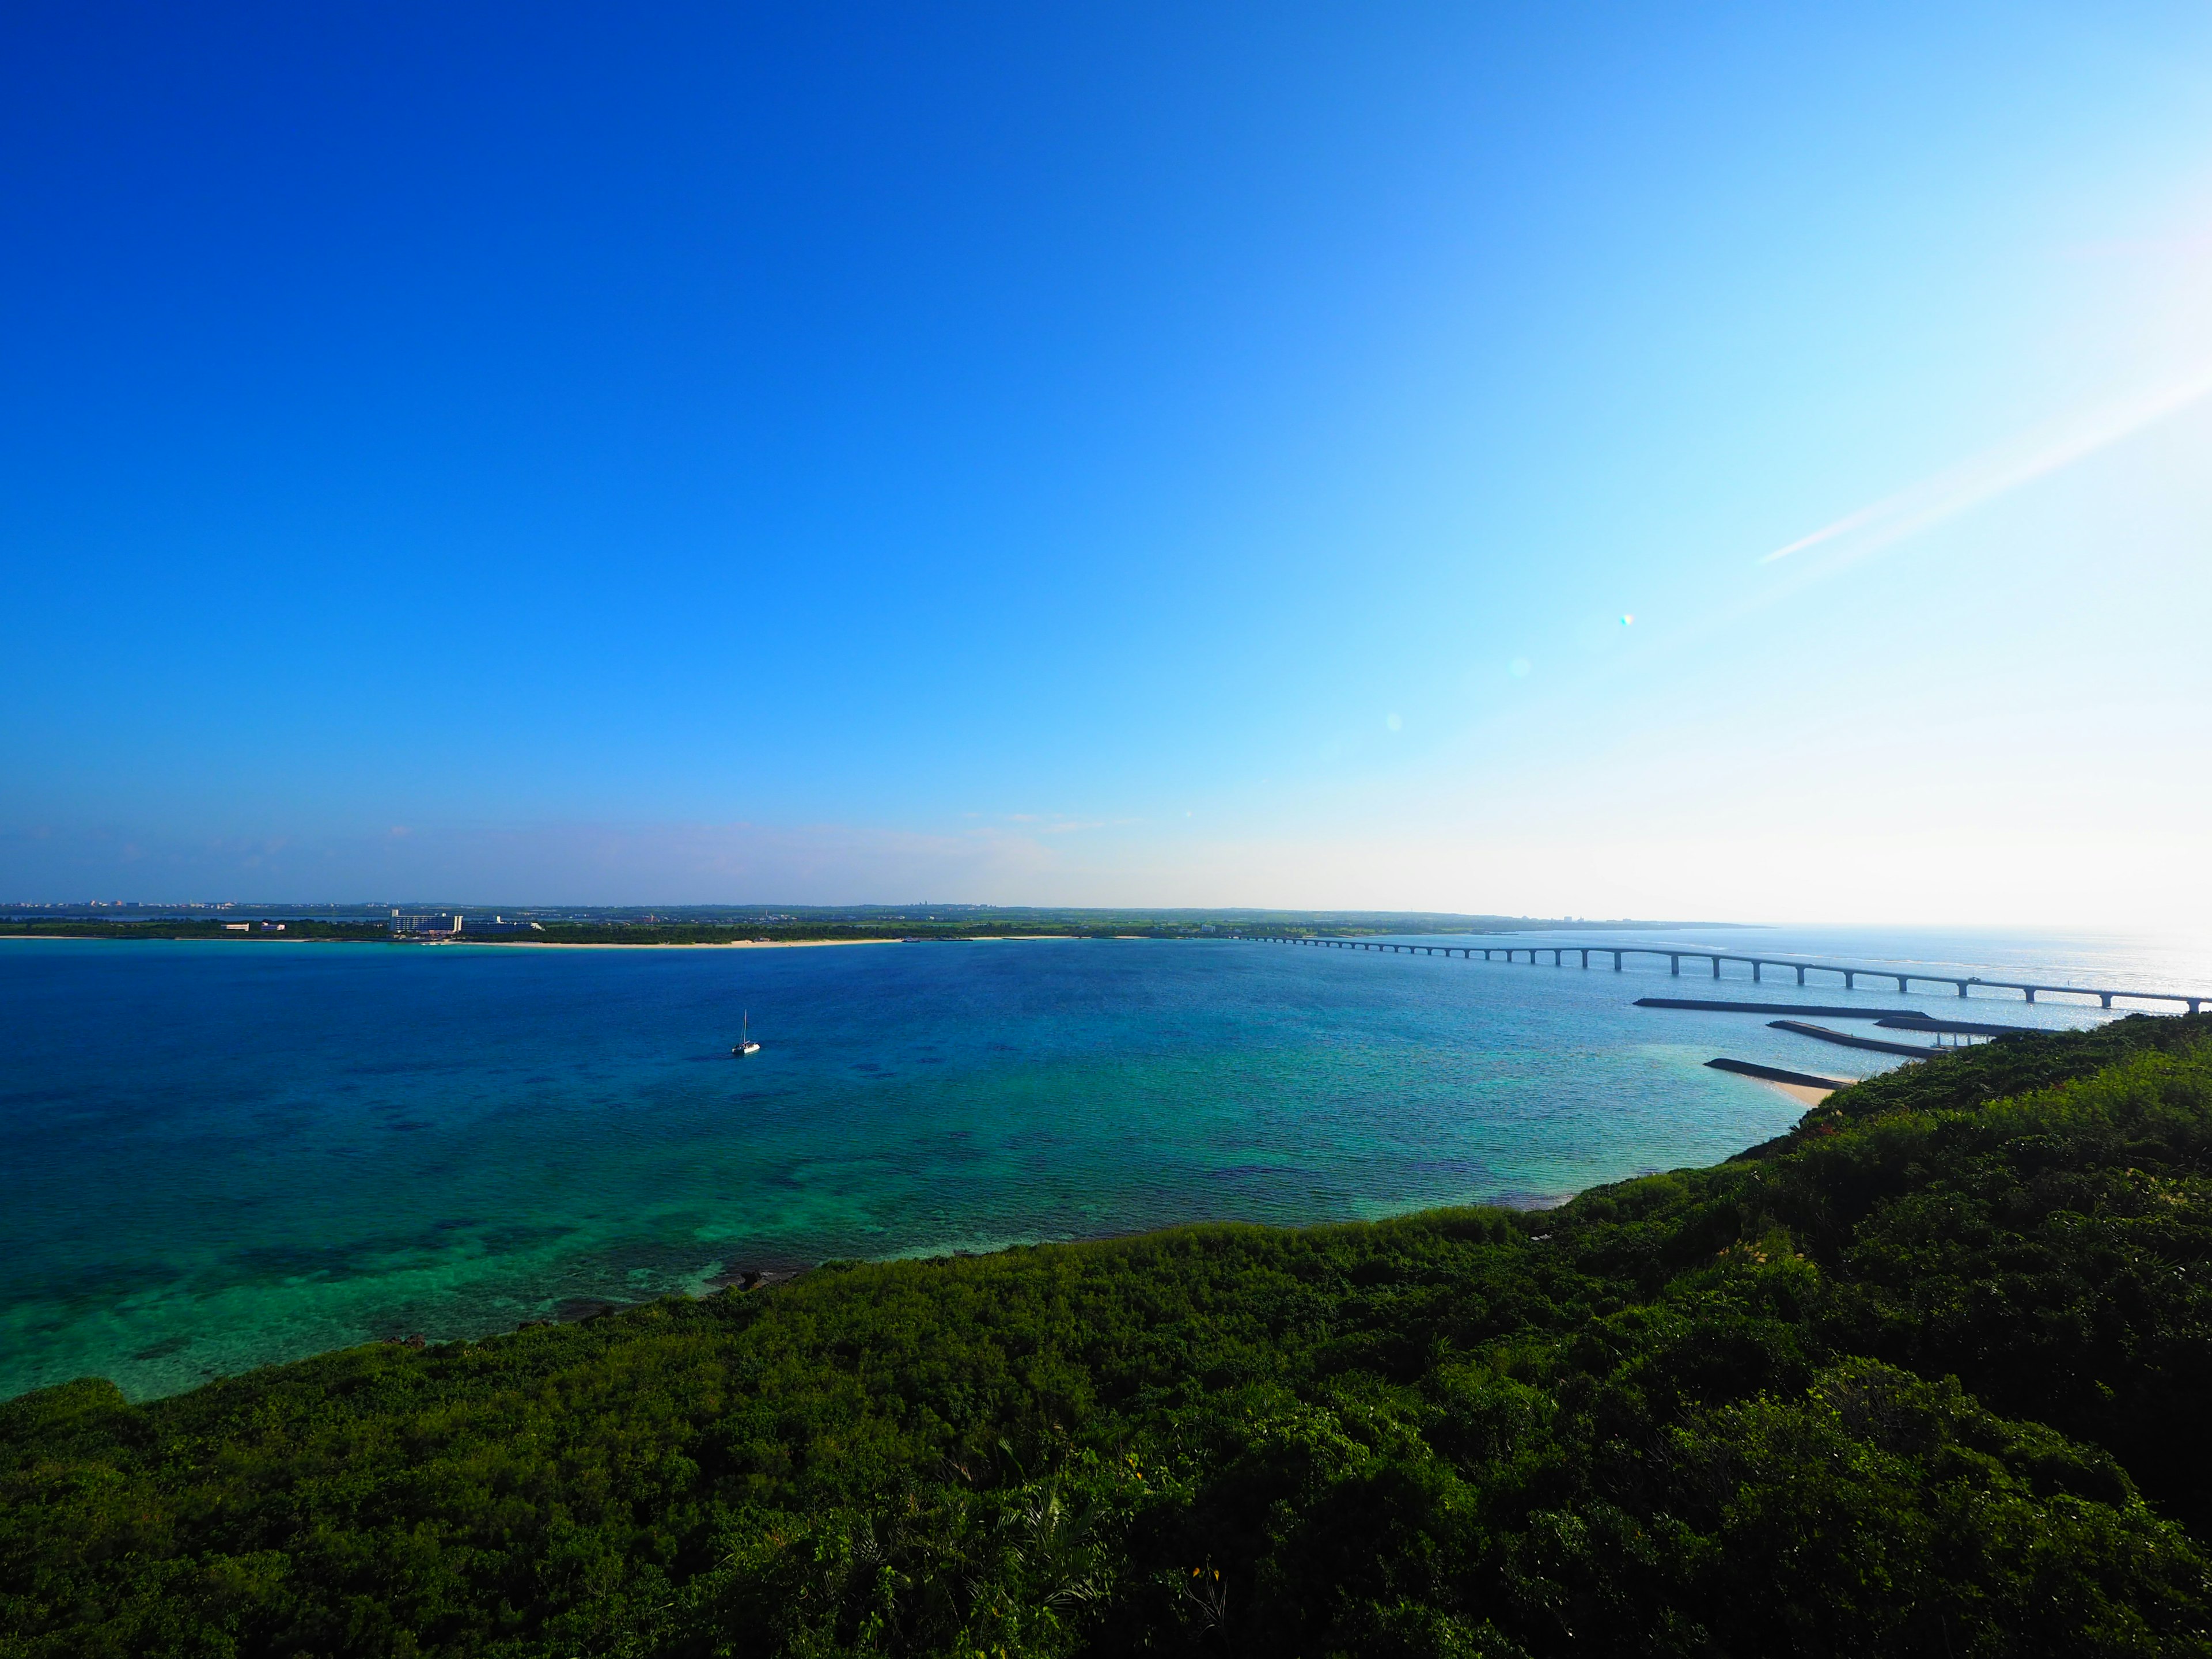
<point x="222" y="1155"/>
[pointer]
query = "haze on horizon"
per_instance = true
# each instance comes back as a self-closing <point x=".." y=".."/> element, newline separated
<point x="1751" y="465"/>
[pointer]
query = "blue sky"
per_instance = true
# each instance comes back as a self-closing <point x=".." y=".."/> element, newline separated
<point x="1150" y="455"/>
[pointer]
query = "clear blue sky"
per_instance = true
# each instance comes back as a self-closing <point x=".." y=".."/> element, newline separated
<point x="1120" y="454"/>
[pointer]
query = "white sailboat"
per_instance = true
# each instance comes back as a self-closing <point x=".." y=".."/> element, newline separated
<point x="746" y="1044"/>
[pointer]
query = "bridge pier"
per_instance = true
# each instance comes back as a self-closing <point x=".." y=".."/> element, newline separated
<point x="1620" y="954"/>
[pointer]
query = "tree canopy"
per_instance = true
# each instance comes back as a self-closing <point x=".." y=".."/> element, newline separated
<point x="1930" y="1374"/>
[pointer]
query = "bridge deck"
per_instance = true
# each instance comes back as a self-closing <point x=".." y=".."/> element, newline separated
<point x="1852" y="973"/>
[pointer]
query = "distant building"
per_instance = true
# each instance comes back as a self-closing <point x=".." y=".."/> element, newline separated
<point x="436" y="925"/>
<point x="439" y="924"/>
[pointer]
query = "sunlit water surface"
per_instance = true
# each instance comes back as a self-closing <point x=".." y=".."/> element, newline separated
<point x="224" y="1154"/>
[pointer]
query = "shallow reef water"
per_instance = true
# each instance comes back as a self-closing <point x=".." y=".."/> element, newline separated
<point x="225" y="1154"/>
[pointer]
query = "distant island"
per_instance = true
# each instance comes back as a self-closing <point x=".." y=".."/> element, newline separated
<point x="1930" y="1374"/>
<point x="733" y="925"/>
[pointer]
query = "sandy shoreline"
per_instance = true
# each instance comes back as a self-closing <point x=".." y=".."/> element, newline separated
<point x="662" y="944"/>
<point x="735" y="943"/>
<point x="559" y="945"/>
<point x="1803" y="1093"/>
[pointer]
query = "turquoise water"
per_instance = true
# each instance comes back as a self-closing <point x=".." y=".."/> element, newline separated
<point x="224" y="1154"/>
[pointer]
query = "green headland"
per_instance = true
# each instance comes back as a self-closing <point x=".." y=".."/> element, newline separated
<point x="1932" y="1373"/>
<point x="733" y="925"/>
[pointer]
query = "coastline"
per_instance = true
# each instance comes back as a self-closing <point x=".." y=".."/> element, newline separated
<point x="1881" y="1460"/>
<point x="1804" y="1093"/>
<point x="779" y="1263"/>
<point x="563" y="945"/>
<point x="660" y="944"/>
<point x="745" y="943"/>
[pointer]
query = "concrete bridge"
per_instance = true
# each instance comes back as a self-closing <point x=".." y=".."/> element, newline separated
<point x="1675" y="957"/>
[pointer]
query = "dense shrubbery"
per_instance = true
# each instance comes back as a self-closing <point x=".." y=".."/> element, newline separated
<point x="1930" y="1377"/>
<point x="295" y="929"/>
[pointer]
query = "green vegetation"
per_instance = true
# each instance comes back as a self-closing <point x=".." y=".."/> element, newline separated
<point x="295" y="928"/>
<point x="700" y="926"/>
<point x="1932" y="1375"/>
<point x="640" y="932"/>
<point x="979" y="921"/>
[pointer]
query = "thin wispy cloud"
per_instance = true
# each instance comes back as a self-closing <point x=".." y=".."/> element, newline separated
<point x="2033" y="455"/>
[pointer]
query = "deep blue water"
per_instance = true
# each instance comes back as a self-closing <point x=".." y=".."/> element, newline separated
<point x="224" y="1154"/>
